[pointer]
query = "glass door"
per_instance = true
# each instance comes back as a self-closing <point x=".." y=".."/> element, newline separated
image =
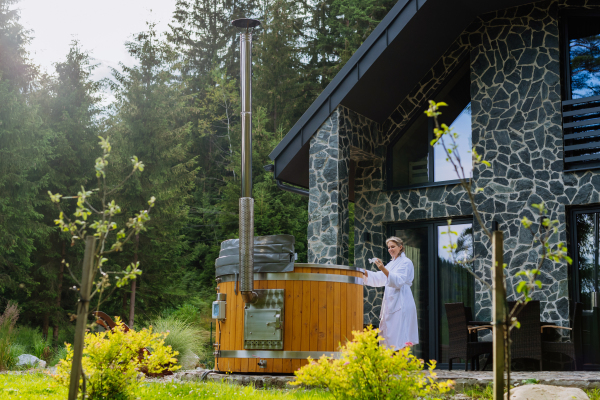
<point x="585" y="276"/>
<point x="416" y="248"/>
<point x="455" y="283"/>
<point x="440" y="277"/>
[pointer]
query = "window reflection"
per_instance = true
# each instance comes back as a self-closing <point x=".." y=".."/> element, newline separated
<point x="584" y="56"/>
<point x="586" y="257"/>
<point x="456" y="284"/>
<point x="444" y="169"/>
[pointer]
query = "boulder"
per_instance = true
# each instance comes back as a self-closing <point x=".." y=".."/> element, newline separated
<point x="546" y="392"/>
<point x="31" y="361"/>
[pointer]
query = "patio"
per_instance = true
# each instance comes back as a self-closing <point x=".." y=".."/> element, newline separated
<point x="578" y="379"/>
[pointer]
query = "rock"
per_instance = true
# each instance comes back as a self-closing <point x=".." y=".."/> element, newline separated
<point x="546" y="392"/>
<point x="29" y="360"/>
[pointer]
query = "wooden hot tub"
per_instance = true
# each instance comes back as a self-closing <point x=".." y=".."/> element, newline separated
<point x="322" y="305"/>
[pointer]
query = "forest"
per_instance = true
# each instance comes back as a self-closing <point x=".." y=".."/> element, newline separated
<point x="177" y="110"/>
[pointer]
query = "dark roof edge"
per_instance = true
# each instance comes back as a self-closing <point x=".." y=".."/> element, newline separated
<point x="336" y="88"/>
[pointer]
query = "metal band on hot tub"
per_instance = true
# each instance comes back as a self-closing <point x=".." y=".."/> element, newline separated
<point x="330" y="266"/>
<point x="291" y="276"/>
<point x="277" y="354"/>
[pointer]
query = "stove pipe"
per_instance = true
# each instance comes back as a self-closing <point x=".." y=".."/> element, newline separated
<point x="246" y="200"/>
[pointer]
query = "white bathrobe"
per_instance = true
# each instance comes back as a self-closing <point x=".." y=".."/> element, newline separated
<point x="398" y="320"/>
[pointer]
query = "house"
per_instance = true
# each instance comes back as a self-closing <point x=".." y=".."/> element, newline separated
<point x="522" y="81"/>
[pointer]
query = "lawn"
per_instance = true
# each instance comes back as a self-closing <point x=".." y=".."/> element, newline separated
<point x="39" y="386"/>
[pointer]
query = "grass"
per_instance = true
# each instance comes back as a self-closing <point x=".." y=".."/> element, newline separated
<point x="30" y="386"/>
<point x="38" y="386"/>
<point x="184" y="337"/>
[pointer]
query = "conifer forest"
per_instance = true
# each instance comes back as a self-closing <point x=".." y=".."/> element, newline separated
<point x="177" y="110"/>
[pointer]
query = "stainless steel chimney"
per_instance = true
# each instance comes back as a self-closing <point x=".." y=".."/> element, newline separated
<point x="246" y="200"/>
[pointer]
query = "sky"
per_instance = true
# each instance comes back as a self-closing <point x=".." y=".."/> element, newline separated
<point x="101" y="27"/>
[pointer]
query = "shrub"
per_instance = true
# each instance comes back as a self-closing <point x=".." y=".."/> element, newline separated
<point x="369" y="371"/>
<point x="8" y="359"/>
<point x="33" y="342"/>
<point x="183" y="337"/>
<point x="113" y="359"/>
<point x="59" y="353"/>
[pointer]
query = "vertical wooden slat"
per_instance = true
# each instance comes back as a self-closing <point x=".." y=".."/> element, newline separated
<point x="322" y="340"/>
<point x="314" y="315"/>
<point x="297" y="323"/>
<point x="330" y="321"/>
<point x="239" y="330"/>
<point x="344" y="312"/>
<point x="337" y="318"/>
<point x="306" y="319"/>
<point x="351" y="306"/>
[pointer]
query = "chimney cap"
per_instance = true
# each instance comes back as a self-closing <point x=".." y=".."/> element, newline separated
<point x="245" y="23"/>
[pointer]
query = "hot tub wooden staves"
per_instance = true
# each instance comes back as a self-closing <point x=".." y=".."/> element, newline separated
<point x="323" y="304"/>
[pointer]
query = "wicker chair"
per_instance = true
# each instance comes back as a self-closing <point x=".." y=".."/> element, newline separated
<point x="460" y="343"/>
<point x="572" y="348"/>
<point x="527" y="340"/>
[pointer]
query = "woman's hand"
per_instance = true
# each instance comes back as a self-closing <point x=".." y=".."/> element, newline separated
<point x="382" y="267"/>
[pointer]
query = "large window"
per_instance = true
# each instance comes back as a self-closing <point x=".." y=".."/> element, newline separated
<point x="412" y="161"/>
<point x="583" y="47"/>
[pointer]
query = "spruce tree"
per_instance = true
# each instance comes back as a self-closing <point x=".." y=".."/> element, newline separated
<point x="151" y="121"/>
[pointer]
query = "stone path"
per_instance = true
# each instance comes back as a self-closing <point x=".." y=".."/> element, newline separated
<point x="579" y="379"/>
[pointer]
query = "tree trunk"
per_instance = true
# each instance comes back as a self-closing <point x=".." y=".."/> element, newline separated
<point x="82" y="315"/>
<point x="61" y="273"/>
<point x="45" y="325"/>
<point x="133" y="284"/>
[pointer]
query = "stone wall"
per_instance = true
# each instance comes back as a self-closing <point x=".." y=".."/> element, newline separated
<point x="329" y="165"/>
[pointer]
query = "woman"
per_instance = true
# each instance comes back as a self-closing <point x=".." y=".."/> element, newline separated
<point x="398" y="320"/>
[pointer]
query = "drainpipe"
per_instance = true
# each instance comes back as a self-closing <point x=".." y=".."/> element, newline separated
<point x="246" y="200"/>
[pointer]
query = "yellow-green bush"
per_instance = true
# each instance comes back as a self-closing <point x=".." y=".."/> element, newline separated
<point x="112" y="361"/>
<point x="369" y="371"/>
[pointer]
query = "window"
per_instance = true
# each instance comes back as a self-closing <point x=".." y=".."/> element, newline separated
<point x="581" y="69"/>
<point x="583" y="47"/>
<point x="412" y="161"/>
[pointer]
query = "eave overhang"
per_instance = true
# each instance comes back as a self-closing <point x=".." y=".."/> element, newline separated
<point x="383" y="71"/>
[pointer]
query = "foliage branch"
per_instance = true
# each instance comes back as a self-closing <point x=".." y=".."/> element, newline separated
<point x="104" y="226"/>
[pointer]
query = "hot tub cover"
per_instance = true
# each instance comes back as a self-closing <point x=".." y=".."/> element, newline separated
<point x="273" y="253"/>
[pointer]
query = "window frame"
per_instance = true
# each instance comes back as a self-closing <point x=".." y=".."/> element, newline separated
<point x="575" y="286"/>
<point x="565" y="59"/>
<point x="465" y="59"/>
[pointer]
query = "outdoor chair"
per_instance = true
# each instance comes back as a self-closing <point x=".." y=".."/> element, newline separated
<point x="571" y="349"/>
<point x="527" y="340"/>
<point x="461" y="343"/>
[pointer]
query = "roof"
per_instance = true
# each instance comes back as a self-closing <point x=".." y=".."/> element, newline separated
<point x="406" y="43"/>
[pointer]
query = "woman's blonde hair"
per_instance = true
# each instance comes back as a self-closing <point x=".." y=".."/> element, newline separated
<point x="396" y="240"/>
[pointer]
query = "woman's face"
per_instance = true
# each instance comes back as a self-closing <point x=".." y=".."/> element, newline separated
<point x="394" y="250"/>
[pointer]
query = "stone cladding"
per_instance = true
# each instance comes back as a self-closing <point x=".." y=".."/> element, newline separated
<point x="329" y="166"/>
<point x="516" y="124"/>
